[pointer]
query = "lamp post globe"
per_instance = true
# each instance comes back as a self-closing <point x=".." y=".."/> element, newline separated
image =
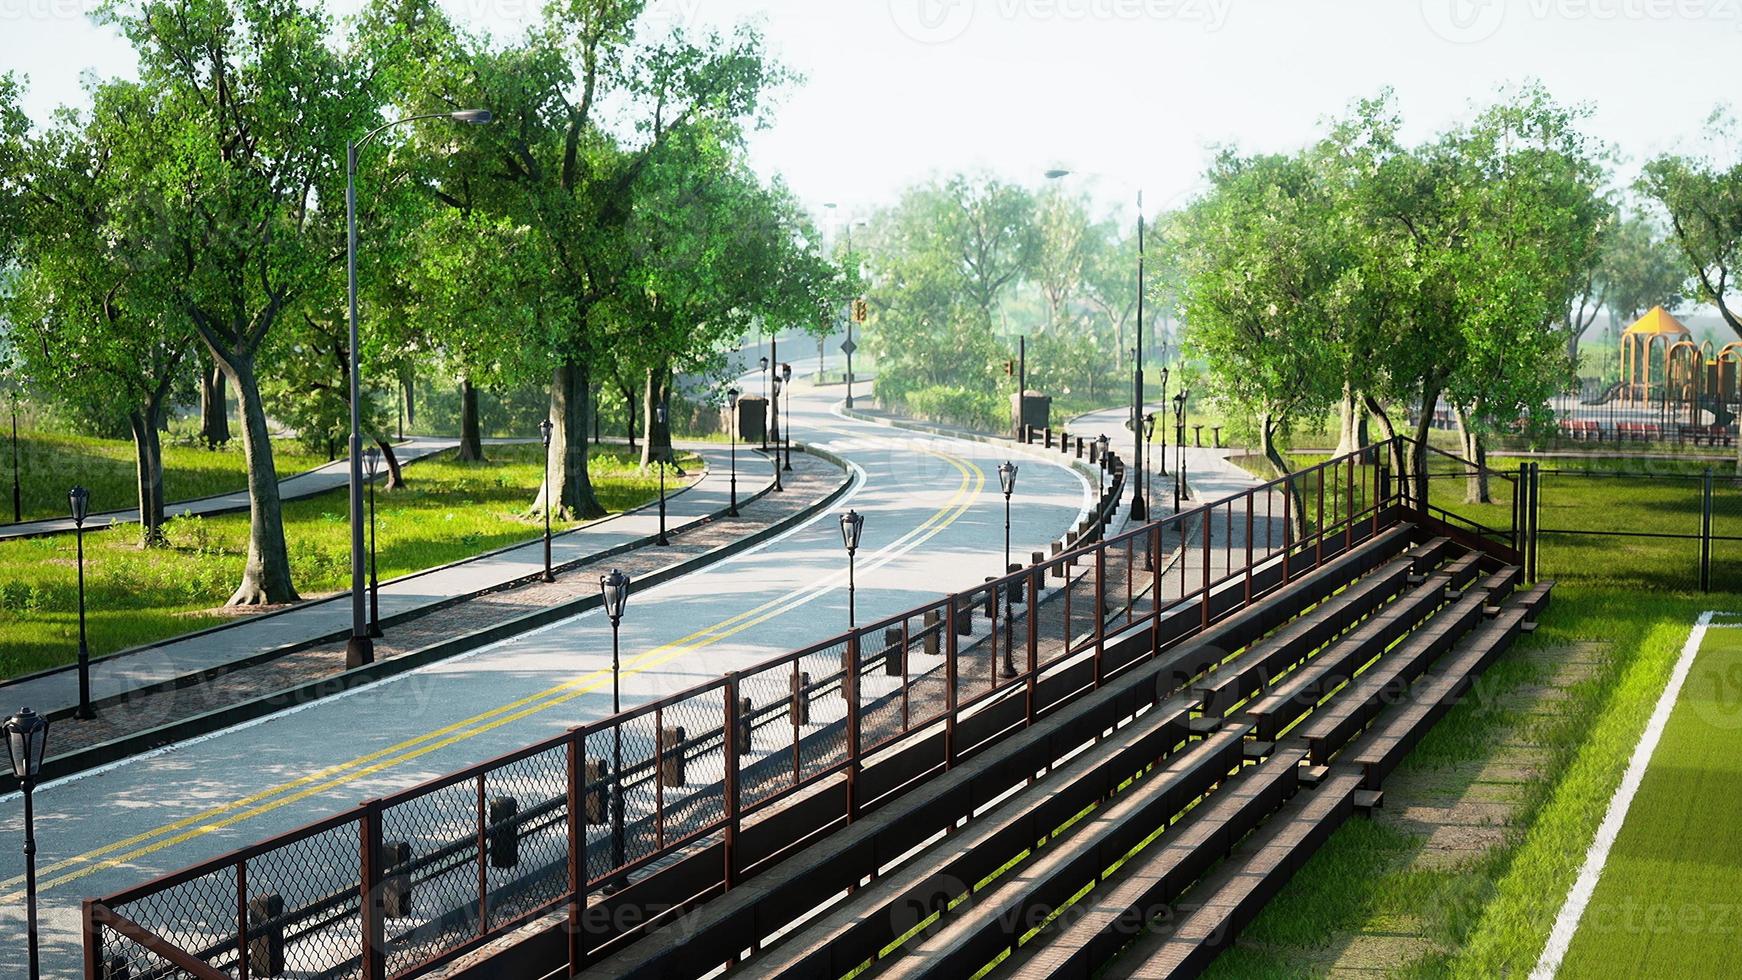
<point x="79" y="503"/>
<point x="26" y="743"/>
<point x="545" y="428"/>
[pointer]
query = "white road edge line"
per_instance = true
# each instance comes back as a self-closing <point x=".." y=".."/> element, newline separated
<point x="1566" y="924"/>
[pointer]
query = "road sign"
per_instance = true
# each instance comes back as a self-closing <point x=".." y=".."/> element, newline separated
<point x="848" y="347"/>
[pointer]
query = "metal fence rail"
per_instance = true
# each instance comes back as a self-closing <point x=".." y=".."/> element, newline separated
<point x="409" y="881"/>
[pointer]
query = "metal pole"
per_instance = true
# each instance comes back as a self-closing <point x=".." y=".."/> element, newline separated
<point x="616" y="757"/>
<point x="359" y="649"/>
<point x="548" y="575"/>
<point x="662" y="538"/>
<point x="374" y="572"/>
<point x="788" y="430"/>
<point x="17" y="493"/>
<point x="852" y="587"/>
<point x="1009" y="660"/>
<point x="732" y="511"/>
<point x="28" y="786"/>
<point x="849" y="401"/>
<point x="85" y="711"/>
<point x="1139" y="507"/>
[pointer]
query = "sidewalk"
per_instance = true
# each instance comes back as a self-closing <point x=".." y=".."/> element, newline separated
<point x="322" y="620"/>
<point x="306" y="484"/>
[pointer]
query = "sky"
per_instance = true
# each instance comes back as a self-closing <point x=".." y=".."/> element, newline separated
<point x="1139" y="91"/>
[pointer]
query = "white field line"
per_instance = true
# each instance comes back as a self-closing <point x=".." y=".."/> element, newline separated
<point x="1560" y="938"/>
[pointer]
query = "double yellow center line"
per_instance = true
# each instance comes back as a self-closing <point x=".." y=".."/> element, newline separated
<point x="130" y="849"/>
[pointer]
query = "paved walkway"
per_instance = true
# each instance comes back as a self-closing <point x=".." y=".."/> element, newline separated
<point x="314" y="621"/>
<point x="1209" y="475"/>
<point x="318" y="480"/>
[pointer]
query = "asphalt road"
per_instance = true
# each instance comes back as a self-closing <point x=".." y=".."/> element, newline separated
<point x="934" y="524"/>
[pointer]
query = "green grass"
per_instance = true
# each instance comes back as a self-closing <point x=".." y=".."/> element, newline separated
<point x="450" y="511"/>
<point x="50" y="464"/>
<point x="1669" y="902"/>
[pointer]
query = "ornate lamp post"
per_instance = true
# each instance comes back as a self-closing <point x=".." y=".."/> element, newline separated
<point x="765" y="405"/>
<point x="372" y="463"/>
<point x="79" y="500"/>
<point x="1148" y="443"/>
<point x="1179" y="432"/>
<point x="777" y="483"/>
<point x="732" y="399"/>
<point x="17" y="492"/>
<point x="786" y="431"/>
<point x="659" y="457"/>
<point x="26" y="741"/>
<point x="614" y="588"/>
<point x="1101" y="456"/>
<point x="545" y="428"/>
<point x="852" y="525"/>
<point x="360" y="648"/>
<point x="1007" y="483"/>
<point x="1162" y="459"/>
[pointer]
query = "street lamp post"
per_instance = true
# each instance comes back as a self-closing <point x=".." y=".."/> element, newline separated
<point x="764" y="362"/>
<point x="1149" y="444"/>
<point x="1162" y="459"/>
<point x="732" y="399"/>
<point x="372" y="461"/>
<point x="26" y="741"/>
<point x="659" y="458"/>
<point x="777" y="484"/>
<point x="852" y="525"/>
<point x="614" y="588"/>
<point x="360" y="648"/>
<point x="545" y="428"/>
<point x="1007" y="483"/>
<point x="1137" y="503"/>
<point x="1179" y="432"/>
<point x="1101" y="457"/>
<point x="17" y="491"/>
<point x="786" y="432"/>
<point x="80" y="500"/>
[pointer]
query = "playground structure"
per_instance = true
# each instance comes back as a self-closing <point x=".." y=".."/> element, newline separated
<point x="1687" y="383"/>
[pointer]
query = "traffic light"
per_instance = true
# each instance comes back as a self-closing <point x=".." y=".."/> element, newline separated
<point x="1010" y="369"/>
<point x="860" y="309"/>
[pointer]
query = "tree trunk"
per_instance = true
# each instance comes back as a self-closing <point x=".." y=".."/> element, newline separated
<point x="407" y="398"/>
<point x="657" y="445"/>
<point x="1475" y="477"/>
<point x="1279" y="465"/>
<point x="567" y="457"/>
<point x="148" y="470"/>
<point x="214" y="412"/>
<point x="395" y="475"/>
<point x="1418" y="457"/>
<point x="266" y="572"/>
<point x="629" y="412"/>
<point x="471" y="441"/>
<point x="1347" y="410"/>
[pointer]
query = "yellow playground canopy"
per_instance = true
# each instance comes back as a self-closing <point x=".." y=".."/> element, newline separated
<point x="1657" y="323"/>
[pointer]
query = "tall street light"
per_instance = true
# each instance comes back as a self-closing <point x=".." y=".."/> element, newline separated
<point x="764" y="363"/>
<point x="732" y="399"/>
<point x="614" y="588"/>
<point x="1101" y="457"/>
<point x="852" y="525"/>
<point x="1179" y="432"/>
<point x="80" y="501"/>
<point x="360" y="648"/>
<point x="1149" y="444"/>
<point x="544" y="430"/>
<point x="1007" y="483"/>
<point x="786" y="433"/>
<point x="777" y="483"/>
<point x="26" y="740"/>
<point x="659" y="458"/>
<point x="1162" y="459"/>
<point x="849" y="346"/>
<point x="17" y="492"/>
<point x="1137" y="503"/>
<point x="372" y="462"/>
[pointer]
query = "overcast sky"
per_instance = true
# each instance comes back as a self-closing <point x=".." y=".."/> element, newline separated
<point x="897" y="90"/>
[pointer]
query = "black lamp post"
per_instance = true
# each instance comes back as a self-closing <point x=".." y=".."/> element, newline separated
<point x="1162" y="459"/>
<point x="544" y="430"/>
<point x="777" y="484"/>
<point x="1179" y="432"/>
<point x="360" y="648"/>
<point x="1101" y="457"/>
<point x="1148" y="443"/>
<point x="80" y="500"/>
<point x="26" y="740"/>
<point x="654" y="451"/>
<point x="852" y="525"/>
<point x="372" y="463"/>
<point x="786" y="431"/>
<point x="614" y="588"/>
<point x="732" y="399"/>
<point x="764" y="362"/>
<point x="1007" y="483"/>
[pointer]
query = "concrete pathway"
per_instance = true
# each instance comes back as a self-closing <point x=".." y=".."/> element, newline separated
<point x="312" y="621"/>
<point x="318" y="480"/>
<point x="1209" y="475"/>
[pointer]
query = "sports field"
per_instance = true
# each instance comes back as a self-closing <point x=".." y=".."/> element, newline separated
<point x="1666" y="899"/>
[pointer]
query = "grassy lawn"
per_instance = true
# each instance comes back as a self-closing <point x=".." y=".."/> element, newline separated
<point x="50" y="464"/>
<point x="451" y="511"/>
<point x="1669" y="901"/>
